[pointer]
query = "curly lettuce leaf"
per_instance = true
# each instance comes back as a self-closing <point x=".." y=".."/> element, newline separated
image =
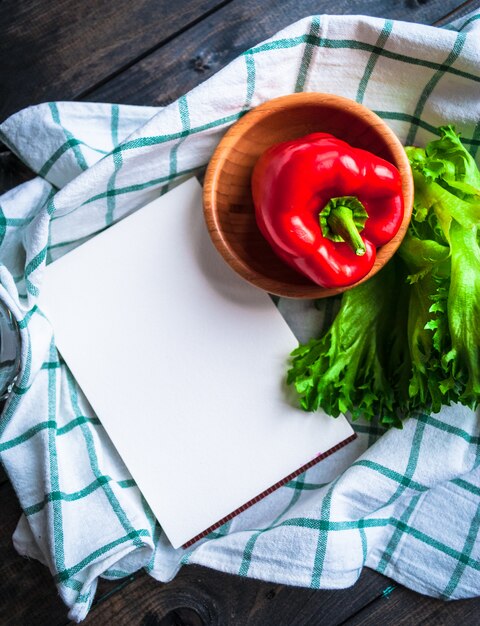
<point x="442" y="252"/>
<point x="462" y="360"/>
<point x="431" y="199"/>
<point x="446" y="161"/>
<point x="458" y="167"/>
<point x="344" y="371"/>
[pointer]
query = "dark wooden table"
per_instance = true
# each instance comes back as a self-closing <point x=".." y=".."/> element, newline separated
<point x="150" y="52"/>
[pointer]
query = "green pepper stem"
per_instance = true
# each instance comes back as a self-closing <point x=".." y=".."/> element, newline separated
<point x="341" y="223"/>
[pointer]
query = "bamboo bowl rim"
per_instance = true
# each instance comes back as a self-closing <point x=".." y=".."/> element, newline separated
<point x="305" y="289"/>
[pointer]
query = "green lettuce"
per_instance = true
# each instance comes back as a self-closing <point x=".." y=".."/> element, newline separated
<point x="408" y="340"/>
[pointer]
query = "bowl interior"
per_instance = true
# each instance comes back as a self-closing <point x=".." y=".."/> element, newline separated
<point x="228" y="200"/>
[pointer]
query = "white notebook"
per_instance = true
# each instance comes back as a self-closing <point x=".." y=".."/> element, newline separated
<point x="184" y="364"/>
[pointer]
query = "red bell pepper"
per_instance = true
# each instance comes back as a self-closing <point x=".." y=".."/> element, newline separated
<point x="325" y="206"/>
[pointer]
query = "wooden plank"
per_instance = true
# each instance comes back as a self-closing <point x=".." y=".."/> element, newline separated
<point x="463" y="9"/>
<point x="3" y="477"/>
<point x="202" y="596"/>
<point x="404" y="607"/>
<point x="56" y="50"/>
<point x="197" y="54"/>
<point x="27" y="592"/>
<point x="12" y="170"/>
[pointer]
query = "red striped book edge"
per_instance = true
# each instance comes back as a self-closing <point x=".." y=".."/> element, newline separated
<point x="270" y="490"/>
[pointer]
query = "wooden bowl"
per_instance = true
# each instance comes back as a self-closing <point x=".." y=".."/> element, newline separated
<point x="227" y="198"/>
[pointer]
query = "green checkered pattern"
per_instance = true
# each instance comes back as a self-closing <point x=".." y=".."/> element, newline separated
<point x="405" y="503"/>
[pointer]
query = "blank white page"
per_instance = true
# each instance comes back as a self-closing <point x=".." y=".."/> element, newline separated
<point x="184" y="363"/>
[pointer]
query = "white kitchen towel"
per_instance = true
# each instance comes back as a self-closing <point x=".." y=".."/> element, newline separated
<point x="405" y="503"/>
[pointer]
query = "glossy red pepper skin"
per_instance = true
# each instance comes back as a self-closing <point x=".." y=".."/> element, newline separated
<point x="293" y="181"/>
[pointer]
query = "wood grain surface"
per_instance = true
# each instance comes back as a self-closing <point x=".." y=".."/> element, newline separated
<point x="197" y="54"/>
<point x="58" y="50"/>
<point x="150" y="52"/>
